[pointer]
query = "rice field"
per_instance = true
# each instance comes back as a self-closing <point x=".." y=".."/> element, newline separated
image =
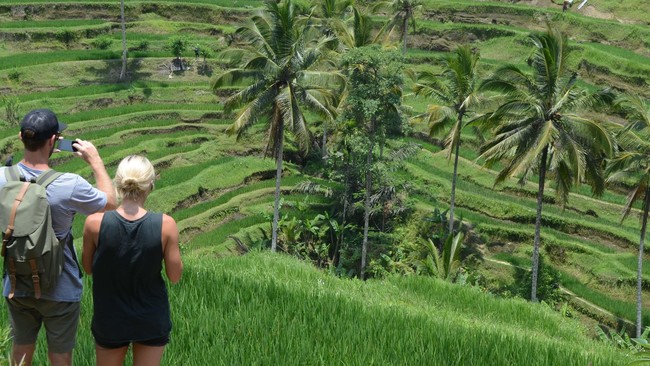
<point x="269" y="309"/>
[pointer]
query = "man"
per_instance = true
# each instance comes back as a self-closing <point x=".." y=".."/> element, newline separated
<point x="57" y="308"/>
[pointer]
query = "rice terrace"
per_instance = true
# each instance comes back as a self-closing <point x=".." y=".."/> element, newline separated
<point x="401" y="182"/>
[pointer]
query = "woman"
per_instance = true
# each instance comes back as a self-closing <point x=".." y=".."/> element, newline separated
<point x="124" y="250"/>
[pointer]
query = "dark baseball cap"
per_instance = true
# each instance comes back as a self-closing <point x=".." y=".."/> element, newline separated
<point x="42" y="123"/>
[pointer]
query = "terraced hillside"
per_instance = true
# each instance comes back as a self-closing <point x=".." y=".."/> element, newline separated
<point x="66" y="56"/>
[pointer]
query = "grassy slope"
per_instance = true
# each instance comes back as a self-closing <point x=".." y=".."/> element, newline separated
<point x="269" y="309"/>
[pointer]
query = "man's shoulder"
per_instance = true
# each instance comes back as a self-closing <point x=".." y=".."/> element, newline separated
<point x="67" y="180"/>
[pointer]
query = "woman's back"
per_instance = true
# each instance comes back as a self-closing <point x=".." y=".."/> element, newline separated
<point x="130" y="295"/>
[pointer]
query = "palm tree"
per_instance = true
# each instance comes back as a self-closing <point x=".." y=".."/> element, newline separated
<point x="359" y="31"/>
<point x="633" y="162"/>
<point x="457" y="90"/>
<point x="329" y="12"/>
<point x="538" y="133"/>
<point x="403" y="13"/>
<point x="123" y="23"/>
<point x="329" y="15"/>
<point x="279" y="74"/>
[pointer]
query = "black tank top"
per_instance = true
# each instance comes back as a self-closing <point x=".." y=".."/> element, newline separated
<point x="129" y="294"/>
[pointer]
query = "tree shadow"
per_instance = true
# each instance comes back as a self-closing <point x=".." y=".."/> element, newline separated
<point x="110" y="72"/>
<point x="205" y="69"/>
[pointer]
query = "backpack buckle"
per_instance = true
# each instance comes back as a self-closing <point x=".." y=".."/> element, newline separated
<point x="36" y="280"/>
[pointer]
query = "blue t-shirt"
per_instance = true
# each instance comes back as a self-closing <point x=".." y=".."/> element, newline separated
<point x="67" y="195"/>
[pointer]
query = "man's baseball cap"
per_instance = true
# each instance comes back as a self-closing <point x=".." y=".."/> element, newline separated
<point x="42" y="123"/>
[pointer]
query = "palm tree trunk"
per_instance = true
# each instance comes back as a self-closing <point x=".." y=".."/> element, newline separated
<point x="454" y="178"/>
<point x="405" y="30"/>
<point x="123" y="71"/>
<point x="538" y="225"/>
<point x="337" y="255"/>
<point x="639" y="272"/>
<point x="324" y="147"/>
<point x="278" y="179"/>
<point x="366" y="215"/>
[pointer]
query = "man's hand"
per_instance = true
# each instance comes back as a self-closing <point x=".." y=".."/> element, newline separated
<point x="87" y="151"/>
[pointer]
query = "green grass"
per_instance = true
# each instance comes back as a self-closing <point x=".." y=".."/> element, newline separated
<point x="26" y="59"/>
<point x="64" y="23"/>
<point x="623" y="309"/>
<point x="268" y="309"/>
<point x="183" y="214"/>
<point x="278" y="311"/>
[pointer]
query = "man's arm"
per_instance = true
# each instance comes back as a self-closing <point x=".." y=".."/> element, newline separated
<point x="88" y="152"/>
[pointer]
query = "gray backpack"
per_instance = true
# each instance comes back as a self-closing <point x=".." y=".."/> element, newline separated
<point x="33" y="256"/>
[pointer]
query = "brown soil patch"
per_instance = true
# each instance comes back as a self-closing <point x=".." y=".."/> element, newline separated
<point x="591" y="11"/>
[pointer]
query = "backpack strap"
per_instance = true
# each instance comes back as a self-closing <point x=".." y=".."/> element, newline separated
<point x="35" y="278"/>
<point x="12" y="278"/>
<point x="12" y="173"/>
<point x="47" y="177"/>
<point x="6" y="236"/>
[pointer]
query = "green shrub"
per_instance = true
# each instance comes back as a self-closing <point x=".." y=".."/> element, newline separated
<point x="102" y="43"/>
<point x="142" y="45"/>
<point x="14" y="76"/>
<point x="67" y="37"/>
<point x="177" y="46"/>
<point x="548" y="283"/>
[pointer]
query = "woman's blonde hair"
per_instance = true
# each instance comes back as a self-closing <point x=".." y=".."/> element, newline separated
<point x="134" y="177"/>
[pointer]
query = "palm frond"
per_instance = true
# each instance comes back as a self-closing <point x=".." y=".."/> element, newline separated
<point x="253" y="111"/>
<point x="234" y="77"/>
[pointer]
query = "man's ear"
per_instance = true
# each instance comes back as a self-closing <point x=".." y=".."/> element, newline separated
<point x="20" y="135"/>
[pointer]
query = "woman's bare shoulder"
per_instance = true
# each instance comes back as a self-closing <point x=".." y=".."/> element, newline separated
<point x="95" y="219"/>
<point x="93" y="224"/>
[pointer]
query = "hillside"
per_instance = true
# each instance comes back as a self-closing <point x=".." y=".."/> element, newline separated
<point x="269" y="309"/>
<point x="66" y="56"/>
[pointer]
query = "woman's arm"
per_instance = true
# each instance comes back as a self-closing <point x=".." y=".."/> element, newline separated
<point x="91" y="235"/>
<point x="171" y="251"/>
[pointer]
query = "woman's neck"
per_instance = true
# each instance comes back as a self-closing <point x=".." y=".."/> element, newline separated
<point x="132" y="209"/>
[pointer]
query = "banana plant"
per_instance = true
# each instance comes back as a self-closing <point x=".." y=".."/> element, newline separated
<point x="446" y="263"/>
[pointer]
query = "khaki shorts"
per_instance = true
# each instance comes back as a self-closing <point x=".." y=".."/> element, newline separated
<point x="26" y="314"/>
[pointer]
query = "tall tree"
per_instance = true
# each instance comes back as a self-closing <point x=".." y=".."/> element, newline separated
<point x="632" y="162"/>
<point x="404" y="12"/>
<point x="124" y="50"/>
<point x="329" y="15"/>
<point x="278" y="72"/>
<point x="537" y="131"/>
<point x="456" y="91"/>
<point x="373" y="103"/>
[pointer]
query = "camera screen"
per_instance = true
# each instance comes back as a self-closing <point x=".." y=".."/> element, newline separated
<point x="66" y="145"/>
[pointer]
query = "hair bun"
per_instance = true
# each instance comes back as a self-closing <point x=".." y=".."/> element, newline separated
<point x="130" y="184"/>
